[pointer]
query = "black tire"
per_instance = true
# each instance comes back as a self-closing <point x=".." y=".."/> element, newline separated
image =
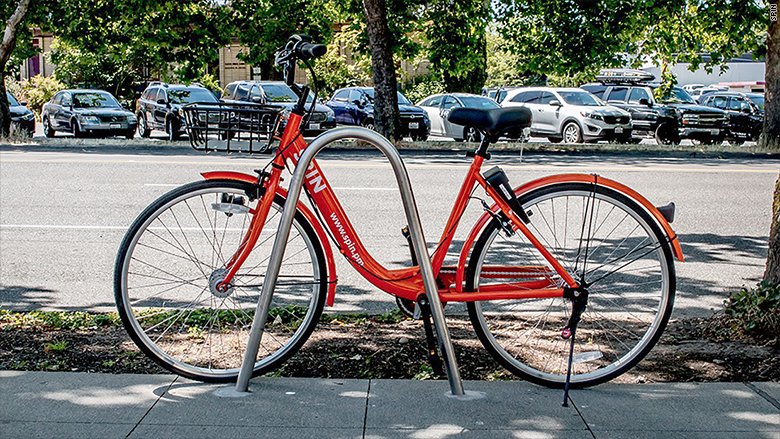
<point x="554" y="139"/>
<point x="75" y="129"/>
<point x="171" y="129"/>
<point x="48" y="130"/>
<point x="419" y="137"/>
<point x="130" y="135"/>
<point x="666" y="134"/>
<point x="627" y="311"/>
<point x="143" y="127"/>
<point x="165" y="274"/>
<point x="471" y="134"/>
<point x="572" y="133"/>
<point x="369" y="123"/>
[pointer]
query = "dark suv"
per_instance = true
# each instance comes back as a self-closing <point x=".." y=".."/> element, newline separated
<point x="668" y="120"/>
<point x="160" y="107"/>
<point x="21" y="116"/>
<point x="745" y="110"/>
<point x="355" y="106"/>
<point x="279" y="93"/>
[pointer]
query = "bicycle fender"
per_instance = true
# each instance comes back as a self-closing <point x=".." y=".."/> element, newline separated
<point x="566" y="178"/>
<point x="305" y="211"/>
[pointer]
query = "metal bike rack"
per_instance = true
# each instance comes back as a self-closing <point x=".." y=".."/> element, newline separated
<point x="283" y="232"/>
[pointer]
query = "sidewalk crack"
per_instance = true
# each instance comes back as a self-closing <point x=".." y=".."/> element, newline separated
<point x="763" y="394"/>
<point x="154" y="404"/>
<point x="365" y="414"/>
<point x="582" y="417"/>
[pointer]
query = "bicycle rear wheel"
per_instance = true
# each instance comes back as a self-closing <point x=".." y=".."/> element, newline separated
<point x="600" y="236"/>
<point x="175" y="254"/>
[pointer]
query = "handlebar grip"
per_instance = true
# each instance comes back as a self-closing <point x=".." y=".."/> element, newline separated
<point x="309" y="51"/>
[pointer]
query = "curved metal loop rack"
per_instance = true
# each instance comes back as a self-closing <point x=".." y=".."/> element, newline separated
<point x="232" y="127"/>
<point x="418" y="241"/>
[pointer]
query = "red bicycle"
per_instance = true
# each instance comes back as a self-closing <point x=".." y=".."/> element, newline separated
<point x="559" y="254"/>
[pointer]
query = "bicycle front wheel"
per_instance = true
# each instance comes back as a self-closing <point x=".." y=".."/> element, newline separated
<point x="175" y="254"/>
<point x="605" y="241"/>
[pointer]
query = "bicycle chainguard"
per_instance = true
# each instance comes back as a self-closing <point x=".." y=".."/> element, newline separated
<point x="579" y="301"/>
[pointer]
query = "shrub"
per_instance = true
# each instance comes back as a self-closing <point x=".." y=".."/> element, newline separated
<point x="755" y="311"/>
<point x="39" y="90"/>
<point x="422" y="87"/>
<point x="209" y="81"/>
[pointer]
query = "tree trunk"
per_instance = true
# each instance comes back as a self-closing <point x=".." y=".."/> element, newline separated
<point x="386" y="120"/>
<point x="771" y="139"/>
<point x="6" y="47"/>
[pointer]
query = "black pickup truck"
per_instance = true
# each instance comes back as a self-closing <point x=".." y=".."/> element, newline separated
<point x="668" y="120"/>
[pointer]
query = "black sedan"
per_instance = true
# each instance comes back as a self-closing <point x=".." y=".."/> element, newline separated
<point x="21" y="116"/>
<point x="87" y="112"/>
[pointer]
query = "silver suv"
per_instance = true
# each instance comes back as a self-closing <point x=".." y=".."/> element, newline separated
<point x="571" y="115"/>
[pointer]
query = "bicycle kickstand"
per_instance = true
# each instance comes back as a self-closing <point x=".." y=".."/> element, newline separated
<point x="579" y="299"/>
<point x="433" y="355"/>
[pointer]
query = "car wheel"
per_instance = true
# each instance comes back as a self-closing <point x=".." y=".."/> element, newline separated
<point x="48" y="131"/>
<point x="369" y="123"/>
<point x="471" y="134"/>
<point x="75" y="130"/>
<point x="572" y="133"/>
<point x="665" y="134"/>
<point x="143" y="127"/>
<point x="171" y="130"/>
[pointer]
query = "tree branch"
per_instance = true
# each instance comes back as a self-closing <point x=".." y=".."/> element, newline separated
<point x="9" y="35"/>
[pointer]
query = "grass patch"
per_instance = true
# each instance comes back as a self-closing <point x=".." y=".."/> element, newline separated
<point x="755" y="311"/>
<point x="55" y="320"/>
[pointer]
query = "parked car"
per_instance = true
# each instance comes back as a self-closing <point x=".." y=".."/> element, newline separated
<point x="21" y="116"/>
<point x="746" y="114"/>
<point x="668" y="120"/>
<point x="160" y="107"/>
<point x="700" y="93"/>
<point x="355" y="106"/>
<point x="497" y="93"/>
<point x="570" y="114"/>
<point x="279" y="93"/>
<point x="438" y="108"/>
<point x="87" y="112"/>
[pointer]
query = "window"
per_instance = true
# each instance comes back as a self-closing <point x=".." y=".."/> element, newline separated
<point x="242" y="93"/>
<point x="520" y="97"/>
<point x="638" y="94"/>
<point x="617" y="94"/>
<point x="719" y="102"/>
<point x="341" y="95"/>
<point x="57" y="100"/>
<point x="450" y="102"/>
<point x="432" y="102"/>
<point x="152" y="95"/>
<point x="354" y="95"/>
<point x="478" y="102"/>
<point x="66" y="100"/>
<point x="546" y="97"/>
<point x="229" y="91"/>
<point x="737" y="104"/>
<point x="162" y="95"/>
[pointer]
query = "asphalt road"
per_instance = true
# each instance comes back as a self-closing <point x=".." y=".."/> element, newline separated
<point x="64" y="212"/>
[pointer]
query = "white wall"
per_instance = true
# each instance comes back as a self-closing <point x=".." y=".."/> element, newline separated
<point x="736" y="72"/>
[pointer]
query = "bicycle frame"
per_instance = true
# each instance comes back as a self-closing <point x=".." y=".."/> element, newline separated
<point x="406" y="282"/>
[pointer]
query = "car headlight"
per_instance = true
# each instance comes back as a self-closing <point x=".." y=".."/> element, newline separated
<point x="89" y="119"/>
<point x="593" y="116"/>
<point x="28" y="116"/>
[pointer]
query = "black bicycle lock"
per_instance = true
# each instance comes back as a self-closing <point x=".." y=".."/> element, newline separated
<point x="497" y="179"/>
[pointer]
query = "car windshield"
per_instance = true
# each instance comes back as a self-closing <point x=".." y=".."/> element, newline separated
<point x="190" y="95"/>
<point x="401" y="98"/>
<point x="478" y="102"/>
<point x="12" y="101"/>
<point x="757" y="100"/>
<point x="582" y="98"/>
<point x="94" y="100"/>
<point x="677" y="96"/>
<point x="279" y="93"/>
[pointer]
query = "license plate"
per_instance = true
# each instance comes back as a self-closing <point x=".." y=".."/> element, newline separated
<point x="116" y="125"/>
<point x="714" y="132"/>
<point x="314" y="126"/>
<point x="618" y="130"/>
<point x="414" y="125"/>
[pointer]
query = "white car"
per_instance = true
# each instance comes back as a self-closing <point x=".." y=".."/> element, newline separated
<point x="438" y="108"/>
<point x="571" y="115"/>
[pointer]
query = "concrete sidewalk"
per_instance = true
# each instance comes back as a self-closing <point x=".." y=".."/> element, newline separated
<point x="79" y="405"/>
